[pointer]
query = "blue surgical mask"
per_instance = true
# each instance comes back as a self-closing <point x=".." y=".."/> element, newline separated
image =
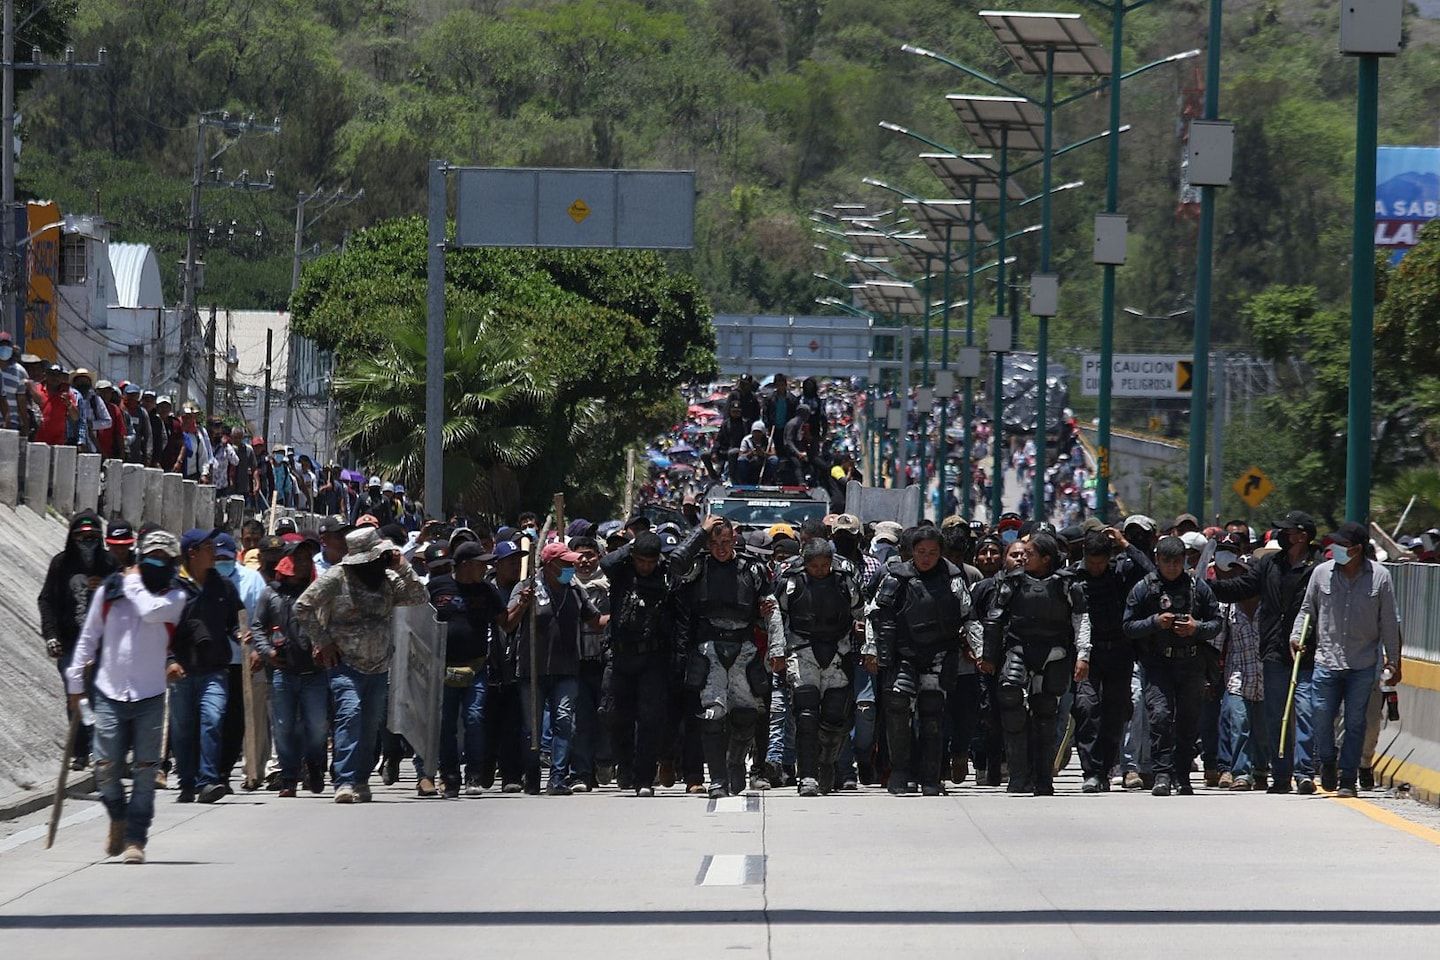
<point x="154" y="562"/>
<point x="1008" y="537"/>
<point x="529" y="532"/>
<point x="6" y="352"/>
<point x="225" y="568"/>
<point x="567" y="575"/>
<point x="1337" y="553"/>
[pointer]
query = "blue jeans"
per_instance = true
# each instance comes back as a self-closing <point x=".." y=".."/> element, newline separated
<point x="1297" y="757"/>
<point x="122" y="727"/>
<point x="197" y="723"/>
<point x="861" y="742"/>
<point x="557" y="694"/>
<point x="1249" y="740"/>
<point x="300" y="714"/>
<point x="460" y="707"/>
<point x="591" y="744"/>
<point x="360" y="700"/>
<point x="780" y="744"/>
<point x="1331" y="687"/>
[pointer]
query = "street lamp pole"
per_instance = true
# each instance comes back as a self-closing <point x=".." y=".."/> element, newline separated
<point x="942" y="445"/>
<point x="1200" y="369"/>
<point x="1042" y="349"/>
<point x="1107" y="290"/>
<point x="997" y="480"/>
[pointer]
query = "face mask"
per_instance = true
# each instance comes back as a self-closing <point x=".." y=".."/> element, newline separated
<point x="225" y="568"/>
<point x="1009" y="536"/>
<point x="529" y="532"/>
<point x="6" y="353"/>
<point x="84" y="389"/>
<point x="567" y="575"/>
<point x="156" y="574"/>
<point x="1337" y="553"/>
<point x="88" y="550"/>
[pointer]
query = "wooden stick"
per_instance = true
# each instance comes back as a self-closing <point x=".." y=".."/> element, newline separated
<point x="64" y="778"/>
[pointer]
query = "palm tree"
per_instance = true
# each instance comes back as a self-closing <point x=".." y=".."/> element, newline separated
<point x="493" y="400"/>
<point x="1390" y="500"/>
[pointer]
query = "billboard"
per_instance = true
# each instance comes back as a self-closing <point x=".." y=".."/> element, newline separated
<point x="42" y="271"/>
<point x="1407" y="194"/>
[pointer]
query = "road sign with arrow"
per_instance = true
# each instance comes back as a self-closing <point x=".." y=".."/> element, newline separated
<point x="1253" y="486"/>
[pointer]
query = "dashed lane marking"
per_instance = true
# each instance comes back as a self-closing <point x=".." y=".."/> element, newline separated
<point x="731" y="870"/>
<point x="744" y="804"/>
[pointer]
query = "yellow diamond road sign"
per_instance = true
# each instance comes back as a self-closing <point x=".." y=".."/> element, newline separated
<point x="578" y="211"/>
<point x="1253" y="486"/>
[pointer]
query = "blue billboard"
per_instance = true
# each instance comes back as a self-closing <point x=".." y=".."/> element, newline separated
<point x="1407" y="194"/>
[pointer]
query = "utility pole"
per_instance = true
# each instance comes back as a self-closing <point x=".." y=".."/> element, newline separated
<point x="210" y="364"/>
<point x="265" y="417"/>
<point x="236" y="127"/>
<point x="10" y="261"/>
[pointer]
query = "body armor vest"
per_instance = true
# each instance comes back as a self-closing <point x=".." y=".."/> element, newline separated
<point x="1039" y="611"/>
<point x="820" y="609"/>
<point x="726" y="598"/>
<point x="638" y="624"/>
<point x="932" y="612"/>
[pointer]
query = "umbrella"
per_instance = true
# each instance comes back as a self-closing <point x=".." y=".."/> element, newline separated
<point x="696" y="410"/>
<point x="352" y="476"/>
<point x="680" y="449"/>
<point x="681" y="470"/>
<point x="659" y="461"/>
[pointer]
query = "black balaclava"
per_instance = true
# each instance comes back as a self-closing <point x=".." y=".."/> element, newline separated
<point x="157" y="577"/>
<point x="371" y="574"/>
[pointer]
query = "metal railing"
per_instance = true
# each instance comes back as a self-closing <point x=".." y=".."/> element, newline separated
<point x="1417" y="594"/>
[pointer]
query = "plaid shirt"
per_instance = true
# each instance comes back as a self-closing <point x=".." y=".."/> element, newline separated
<point x="1243" y="676"/>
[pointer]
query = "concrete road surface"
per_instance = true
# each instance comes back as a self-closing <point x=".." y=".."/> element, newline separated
<point x="977" y="873"/>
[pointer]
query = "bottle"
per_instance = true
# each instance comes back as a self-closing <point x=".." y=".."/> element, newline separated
<point x="1390" y="694"/>
<point x="87" y="715"/>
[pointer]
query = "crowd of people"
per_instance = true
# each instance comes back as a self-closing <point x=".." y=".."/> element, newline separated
<point x="716" y="660"/>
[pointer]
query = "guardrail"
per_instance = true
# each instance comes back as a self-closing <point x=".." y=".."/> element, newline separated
<point x="1417" y="595"/>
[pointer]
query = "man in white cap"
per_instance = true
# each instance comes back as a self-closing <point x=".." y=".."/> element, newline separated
<point x="755" y="460"/>
<point x="346" y="612"/>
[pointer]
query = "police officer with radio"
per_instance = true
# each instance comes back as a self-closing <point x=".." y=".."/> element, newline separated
<point x="1108" y="570"/>
<point x="1168" y="615"/>
<point x="921" y="621"/>
<point x="820" y="603"/>
<point x="721" y="598"/>
<point x="1037" y="634"/>
<point x="638" y="649"/>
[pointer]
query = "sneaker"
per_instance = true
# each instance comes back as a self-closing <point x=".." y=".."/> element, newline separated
<point x="1242" y="783"/>
<point x="315" y="784"/>
<point x="898" y="787"/>
<point x="932" y="790"/>
<point x="1280" y="786"/>
<point x="1329" y="777"/>
<point x="390" y="770"/>
<point x="758" y="782"/>
<point x="1091" y="785"/>
<point x="286" y="792"/>
<point x="1212" y="777"/>
<point x="452" y="791"/>
<point x="716" y="791"/>
<point x="775" y="774"/>
<point x="345" y="793"/>
<point x="80" y="763"/>
<point x="667" y="774"/>
<point x="850" y="784"/>
<point x="699" y="788"/>
<point x="1367" y="778"/>
<point x="511" y="788"/>
<point x="579" y="786"/>
<point x="426" y="787"/>
<point x="1227" y="781"/>
<point x="1185" y="789"/>
<point x="362" y="793"/>
<point x="211" y="793"/>
<point x="605" y="773"/>
<point x="959" y="769"/>
<point x="557" y="790"/>
<point x="162" y="780"/>
<point x="185" y="796"/>
<point x="134" y="853"/>
<point x="808" y="787"/>
<point x="473" y="787"/>
<point x="1262" y="781"/>
<point x="116" y="841"/>
<point x="1162" y="786"/>
<point x="1132" y="781"/>
<point x="866" y="773"/>
<point x="1305" y="787"/>
<point x="1346" y="791"/>
<point x="644" y="791"/>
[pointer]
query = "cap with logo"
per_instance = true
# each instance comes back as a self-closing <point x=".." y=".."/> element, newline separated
<point x="120" y="532"/>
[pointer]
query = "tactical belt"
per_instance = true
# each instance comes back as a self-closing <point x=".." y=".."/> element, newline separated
<point x="1179" y="653"/>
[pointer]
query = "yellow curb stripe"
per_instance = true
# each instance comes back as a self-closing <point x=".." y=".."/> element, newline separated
<point x="1381" y="815"/>
<point x="1420" y="673"/>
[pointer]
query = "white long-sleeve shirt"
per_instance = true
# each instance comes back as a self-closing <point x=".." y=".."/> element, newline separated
<point x="134" y="638"/>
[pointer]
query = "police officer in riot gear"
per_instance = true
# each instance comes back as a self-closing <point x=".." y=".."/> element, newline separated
<point x="921" y="621"/>
<point x="638" y="650"/>
<point x="820" y="603"/>
<point x="1037" y="634"/>
<point x="1168" y="615"/>
<point x="720" y="599"/>
<point x="1108" y="569"/>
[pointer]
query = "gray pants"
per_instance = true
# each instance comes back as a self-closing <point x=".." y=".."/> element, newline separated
<point x="725" y="688"/>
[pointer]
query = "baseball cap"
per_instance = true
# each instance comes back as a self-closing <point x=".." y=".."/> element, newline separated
<point x="438" y="553"/>
<point x="1350" y="534"/>
<point x="1141" y="521"/>
<point x="887" y="531"/>
<point x="286" y="525"/>
<point x="668" y="542"/>
<point x="191" y="539"/>
<point x="558" y="551"/>
<point x="647" y="544"/>
<point x="224" y="547"/>
<point x="503" y="549"/>
<point x="781" y="530"/>
<point x="130" y="389"/>
<point x="1297" y="520"/>
<point x="1189" y="518"/>
<point x="578" y="527"/>
<point x="368" y="520"/>
<point x="120" y="532"/>
<point x="758" y="425"/>
<point x="637" y="520"/>
<point x="846" y="523"/>
<point x="335" y="523"/>
<point x="162" y="541"/>
<point x="468" y="551"/>
<point x="1193" y="540"/>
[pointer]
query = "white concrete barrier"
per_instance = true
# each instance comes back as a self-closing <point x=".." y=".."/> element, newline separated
<point x="172" y="511"/>
<point x="132" y="493"/>
<point x="205" y="506"/>
<point x="114" y="489"/>
<point x="37" y="476"/>
<point x="9" y="466"/>
<point x="152" y="509"/>
<point x="187" y="506"/>
<point x="62" y="483"/>
<point x="234" y="514"/>
<point x="87" y="481"/>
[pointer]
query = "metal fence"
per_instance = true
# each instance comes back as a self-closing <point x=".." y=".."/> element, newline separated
<point x="1417" y="593"/>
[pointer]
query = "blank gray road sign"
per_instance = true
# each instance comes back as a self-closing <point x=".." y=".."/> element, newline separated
<point x="530" y="207"/>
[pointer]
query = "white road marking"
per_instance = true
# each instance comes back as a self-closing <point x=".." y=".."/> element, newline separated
<point x="38" y="831"/>
<point x="731" y="870"/>
<point x="746" y="804"/>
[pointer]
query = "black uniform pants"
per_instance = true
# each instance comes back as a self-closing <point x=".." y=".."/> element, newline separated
<point x="232" y="731"/>
<point x="962" y="708"/>
<point x="504" y="734"/>
<point x="1174" y="691"/>
<point x="634" y="697"/>
<point x="1102" y="705"/>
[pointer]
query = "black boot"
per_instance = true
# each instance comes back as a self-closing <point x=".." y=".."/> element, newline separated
<point x="713" y="741"/>
<point x="898" y="736"/>
<point x="932" y="751"/>
<point x="807" y="749"/>
<point x="1329" y="777"/>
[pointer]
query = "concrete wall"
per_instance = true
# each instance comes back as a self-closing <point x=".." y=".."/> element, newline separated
<point x="1134" y="460"/>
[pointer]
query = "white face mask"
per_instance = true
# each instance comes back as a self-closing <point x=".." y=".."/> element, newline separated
<point x="1338" y="553"/>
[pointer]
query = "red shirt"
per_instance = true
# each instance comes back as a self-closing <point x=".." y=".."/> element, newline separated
<point x="54" y="414"/>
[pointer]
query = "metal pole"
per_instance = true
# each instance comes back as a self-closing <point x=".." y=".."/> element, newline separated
<point x="1042" y="349"/>
<point x="1217" y="439"/>
<point x="922" y="416"/>
<point x="11" y="262"/>
<point x="1362" y="293"/>
<point x="435" y="344"/>
<point x="967" y="439"/>
<point x="210" y="365"/>
<point x="300" y="199"/>
<point x="942" y="445"/>
<point x="997" y="480"/>
<point x="188" y="314"/>
<point x="1107" y="294"/>
<point x="1195" y="499"/>
<point x="902" y="440"/>
<point x="265" y="416"/>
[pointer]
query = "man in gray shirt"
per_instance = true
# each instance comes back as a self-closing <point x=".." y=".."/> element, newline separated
<point x="1350" y="601"/>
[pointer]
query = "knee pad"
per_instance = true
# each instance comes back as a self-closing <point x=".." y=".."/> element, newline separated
<point x="931" y="703"/>
<point x="1010" y="696"/>
<point x="835" y="707"/>
<point x="906" y="681"/>
<point x="806" y="699"/>
<point x="1055" y="678"/>
<point x="1012" y="719"/>
<point x="1013" y="671"/>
